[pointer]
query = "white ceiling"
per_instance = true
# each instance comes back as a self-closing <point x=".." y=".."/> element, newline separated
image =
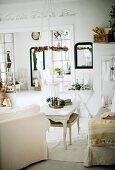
<point x="27" y="1"/>
<point x="16" y="1"/>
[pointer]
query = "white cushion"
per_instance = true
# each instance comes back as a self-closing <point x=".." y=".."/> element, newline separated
<point x="20" y="112"/>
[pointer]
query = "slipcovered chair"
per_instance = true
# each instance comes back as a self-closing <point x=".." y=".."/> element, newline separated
<point x="22" y="137"/>
<point x="73" y="119"/>
<point x="49" y="85"/>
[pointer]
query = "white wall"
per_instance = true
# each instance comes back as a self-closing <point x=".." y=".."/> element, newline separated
<point x="22" y="44"/>
<point x="83" y="15"/>
<point x="102" y="52"/>
<point x="91" y="13"/>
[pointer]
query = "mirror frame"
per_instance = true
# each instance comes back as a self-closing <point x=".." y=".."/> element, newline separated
<point x="31" y="65"/>
<point x="76" y="55"/>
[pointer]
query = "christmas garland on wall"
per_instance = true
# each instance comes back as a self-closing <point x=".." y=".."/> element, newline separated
<point x="40" y="49"/>
<point x="59" y="48"/>
<point x="53" y="48"/>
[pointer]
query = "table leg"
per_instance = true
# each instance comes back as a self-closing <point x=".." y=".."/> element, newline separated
<point x="64" y="133"/>
<point x="78" y="124"/>
<point x="70" y="140"/>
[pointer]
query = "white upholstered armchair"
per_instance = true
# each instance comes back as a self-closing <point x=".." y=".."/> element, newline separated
<point x="22" y="137"/>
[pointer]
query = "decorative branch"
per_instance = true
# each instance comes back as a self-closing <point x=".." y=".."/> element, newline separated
<point x="59" y="48"/>
<point x="53" y="48"/>
<point x="99" y="31"/>
<point x="112" y="17"/>
<point x="40" y="49"/>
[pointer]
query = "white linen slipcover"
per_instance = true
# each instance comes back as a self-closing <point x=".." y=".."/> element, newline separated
<point x="22" y="137"/>
<point x="99" y="155"/>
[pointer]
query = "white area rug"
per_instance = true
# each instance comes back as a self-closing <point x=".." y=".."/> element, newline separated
<point x="74" y="152"/>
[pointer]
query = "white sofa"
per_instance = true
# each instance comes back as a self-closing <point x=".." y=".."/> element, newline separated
<point x="101" y="140"/>
<point x="22" y="137"/>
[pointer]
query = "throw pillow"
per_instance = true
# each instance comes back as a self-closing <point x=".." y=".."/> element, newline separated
<point x="108" y="115"/>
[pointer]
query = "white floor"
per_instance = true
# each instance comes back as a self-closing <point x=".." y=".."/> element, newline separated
<point x="24" y="98"/>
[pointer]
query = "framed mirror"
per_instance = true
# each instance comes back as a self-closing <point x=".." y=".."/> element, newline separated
<point x="37" y="63"/>
<point x="83" y="52"/>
